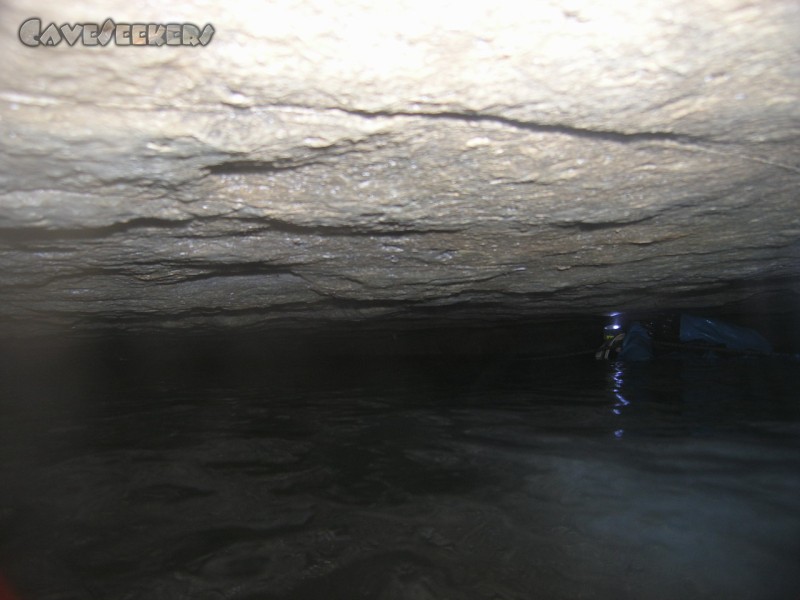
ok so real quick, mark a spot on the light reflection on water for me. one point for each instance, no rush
(617, 379)
(431, 480)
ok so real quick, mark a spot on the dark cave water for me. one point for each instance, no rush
(406, 479)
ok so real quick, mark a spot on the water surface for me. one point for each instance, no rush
(416, 478)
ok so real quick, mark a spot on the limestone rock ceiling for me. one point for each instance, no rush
(347, 160)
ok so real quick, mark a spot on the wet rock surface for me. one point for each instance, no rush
(351, 161)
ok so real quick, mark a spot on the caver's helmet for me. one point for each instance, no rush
(610, 331)
(613, 337)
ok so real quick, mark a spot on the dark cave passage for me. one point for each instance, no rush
(313, 310)
(427, 463)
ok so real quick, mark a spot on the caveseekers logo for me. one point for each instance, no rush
(123, 34)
